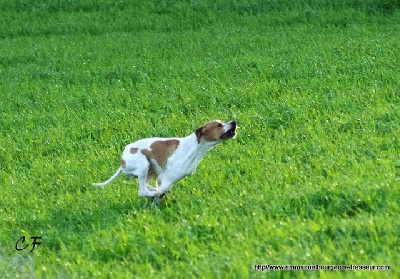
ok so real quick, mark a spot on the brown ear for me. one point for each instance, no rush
(199, 133)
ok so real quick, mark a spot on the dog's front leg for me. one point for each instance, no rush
(163, 188)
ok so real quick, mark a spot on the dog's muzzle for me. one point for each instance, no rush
(231, 133)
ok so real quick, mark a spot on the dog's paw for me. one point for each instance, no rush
(163, 195)
(147, 193)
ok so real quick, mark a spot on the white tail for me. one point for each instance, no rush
(111, 179)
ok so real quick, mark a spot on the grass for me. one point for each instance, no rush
(312, 178)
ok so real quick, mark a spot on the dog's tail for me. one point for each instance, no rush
(111, 179)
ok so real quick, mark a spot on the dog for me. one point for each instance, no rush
(170, 159)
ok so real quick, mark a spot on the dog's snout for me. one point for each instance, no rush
(232, 124)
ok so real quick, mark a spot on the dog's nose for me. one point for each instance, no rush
(233, 123)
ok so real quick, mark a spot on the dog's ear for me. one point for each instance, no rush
(199, 133)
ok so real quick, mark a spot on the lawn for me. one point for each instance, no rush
(313, 177)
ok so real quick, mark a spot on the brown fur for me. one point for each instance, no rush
(133, 150)
(211, 131)
(123, 163)
(151, 173)
(161, 150)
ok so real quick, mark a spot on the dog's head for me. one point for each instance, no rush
(216, 131)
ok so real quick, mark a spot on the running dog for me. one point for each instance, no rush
(170, 159)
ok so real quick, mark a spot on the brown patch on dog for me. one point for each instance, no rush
(211, 131)
(161, 150)
(151, 173)
(199, 133)
(133, 150)
(123, 163)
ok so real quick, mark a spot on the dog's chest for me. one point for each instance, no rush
(184, 160)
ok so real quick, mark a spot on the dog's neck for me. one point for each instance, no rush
(196, 148)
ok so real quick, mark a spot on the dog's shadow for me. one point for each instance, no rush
(65, 225)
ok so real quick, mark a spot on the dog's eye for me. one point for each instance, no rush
(220, 125)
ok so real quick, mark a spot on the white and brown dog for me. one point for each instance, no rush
(170, 159)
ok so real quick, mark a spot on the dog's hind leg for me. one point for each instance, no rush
(145, 190)
(150, 188)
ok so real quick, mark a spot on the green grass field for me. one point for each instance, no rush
(313, 176)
